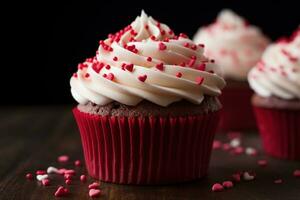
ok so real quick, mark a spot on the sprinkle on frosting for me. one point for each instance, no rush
(278, 72)
(150, 51)
(235, 44)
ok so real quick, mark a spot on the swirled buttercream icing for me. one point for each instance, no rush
(146, 61)
(278, 72)
(233, 43)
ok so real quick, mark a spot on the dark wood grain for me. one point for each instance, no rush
(33, 137)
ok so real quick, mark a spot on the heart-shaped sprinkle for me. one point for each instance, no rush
(129, 67)
(160, 66)
(68, 181)
(248, 177)
(217, 187)
(63, 158)
(162, 46)
(94, 192)
(46, 182)
(142, 78)
(94, 185)
(199, 80)
(227, 184)
(61, 191)
(41, 177)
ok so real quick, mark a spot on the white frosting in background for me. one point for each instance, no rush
(164, 84)
(233, 43)
(278, 73)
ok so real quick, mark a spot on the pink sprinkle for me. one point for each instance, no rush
(45, 182)
(278, 181)
(179, 74)
(199, 80)
(297, 173)
(236, 177)
(68, 181)
(226, 146)
(162, 46)
(68, 176)
(61, 171)
(29, 176)
(262, 163)
(238, 150)
(61, 191)
(94, 192)
(227, 184)
(217, 187)
(63, 158)
(217, 144)
(142, 78)
(70, 171)
(77, 163)
(40, 172)
(94, 185)
(83, 178)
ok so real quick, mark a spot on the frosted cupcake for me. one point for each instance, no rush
(236, 46)
(276, 82)
(148, 107)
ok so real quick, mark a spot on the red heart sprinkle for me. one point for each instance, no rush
(94, 192)
(142, 78)
(46, 182)
(160, 66)
(227, 184)
(162, 46)
(217, 187)
(199, 80)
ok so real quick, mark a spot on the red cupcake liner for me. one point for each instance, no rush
(237, 113)
(280, 132)
(146, 150)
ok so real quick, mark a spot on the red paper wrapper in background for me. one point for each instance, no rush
(146, 150)
(237, 113)
(280, 131)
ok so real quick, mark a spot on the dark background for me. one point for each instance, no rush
(44, 42)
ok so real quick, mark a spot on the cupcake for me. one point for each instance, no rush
(148, 107)
(236, 46)
(276, 82)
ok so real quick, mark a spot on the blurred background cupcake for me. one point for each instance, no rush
(148, 107)
(276, 82)
(236, 47)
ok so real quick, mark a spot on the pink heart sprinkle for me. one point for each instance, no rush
(94, 185)
(297, 173)
(227, 184)
(61, 191)
(217, 187)
(46, 182)
(63, 158)
(94, 192)
(77, 163)
(217, 144)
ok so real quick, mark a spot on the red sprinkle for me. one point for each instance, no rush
(77, 163)
(201, 45)
(183, 35)
(201, 67)
(94, 192)
(182, 64)
(129, 67)
(162, 46)
(199, 80)
(68, 181)
(94, 185)
(236, 177)
(163, 32)
(149, 59)
(83, 178)
(262, 163)
(153, 37)
(29, 176)
(87, 75)
(68, 176)
(142, 78)
(70, 171)
(97, 67)
(278, 181)
(61, 191)
(110, 76)
(179, 74)
(297, 173)
(45, 182)
(40, 172)
(226, 146)
(192, 62)
(75, 75)
(217, 187)
(217, 144)
(64, 158)
(238, 150)
(115, 58)
(104, 75)
(107, 67)
(160, 66)
(186, 44)
(194, 47)
(146, 27)
(227, 184)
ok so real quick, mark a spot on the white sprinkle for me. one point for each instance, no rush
(247, 176)
(251, 151)
(235, 142)
(51, 170)
(41, 177)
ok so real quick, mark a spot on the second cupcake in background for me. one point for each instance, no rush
(276, 82)
(236, 46)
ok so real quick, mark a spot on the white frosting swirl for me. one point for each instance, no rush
(278, 73)
(132, 65)
(233, 43)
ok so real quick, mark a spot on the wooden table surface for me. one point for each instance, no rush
(32, 137)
